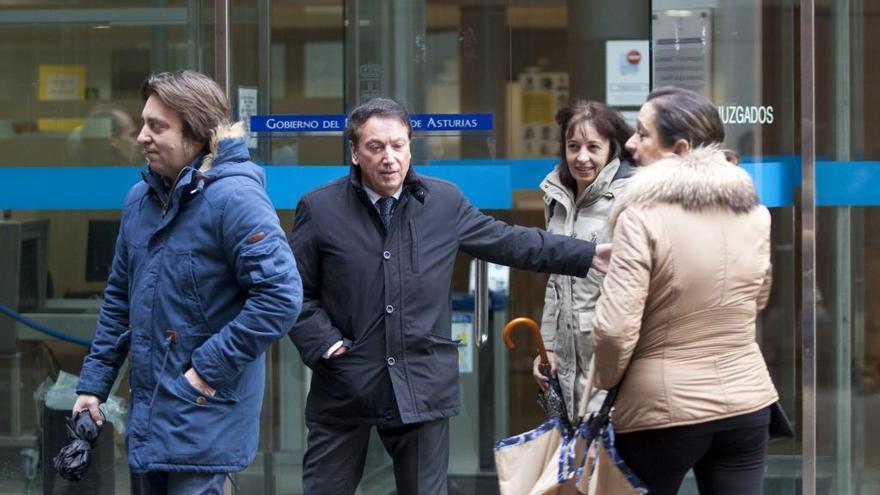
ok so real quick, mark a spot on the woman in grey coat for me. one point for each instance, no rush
(593, 170)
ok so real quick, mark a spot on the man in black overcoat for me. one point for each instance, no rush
(376, 252)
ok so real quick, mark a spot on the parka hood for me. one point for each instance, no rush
(228, 155)
(699, 180)
(225, 156)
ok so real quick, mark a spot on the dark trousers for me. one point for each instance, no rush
(165, 483)
(727, 456)
(335, 457)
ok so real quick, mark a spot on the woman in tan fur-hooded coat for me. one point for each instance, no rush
(675, 325)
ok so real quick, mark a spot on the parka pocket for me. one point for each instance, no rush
(583, 340)
(414, 234)
(349, 381)
(588, 291)
(196, 396)
(263, 262)
(191, 427)
(585, 321)
(443, 340)
(551, 305)
(141, 363)
(180, 286)
(432, 371)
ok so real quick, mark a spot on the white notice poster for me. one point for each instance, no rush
(626, 72)
(683, 49)
(463, 332)
(247, 106)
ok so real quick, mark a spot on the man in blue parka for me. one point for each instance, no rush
(203, 281)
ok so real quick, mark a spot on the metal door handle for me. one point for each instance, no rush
(481, 303)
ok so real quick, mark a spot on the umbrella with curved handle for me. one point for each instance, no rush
(536, 331)
(551, 400)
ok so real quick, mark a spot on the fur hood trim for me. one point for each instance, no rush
(699, 180)
(222, 132)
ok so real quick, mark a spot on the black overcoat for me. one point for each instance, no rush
(387, 295)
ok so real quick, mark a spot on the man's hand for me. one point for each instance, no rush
(602, 258)
(338, 352)
(90, 403)
(192, 376)
(542, 380)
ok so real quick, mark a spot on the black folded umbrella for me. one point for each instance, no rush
(74, 458)
(551, 400)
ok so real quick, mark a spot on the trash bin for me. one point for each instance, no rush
(99, 478)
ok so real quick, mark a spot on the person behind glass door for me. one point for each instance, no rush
(593, 171)
(376, 252)
(202, 282)
(107, 137)
(675, 324)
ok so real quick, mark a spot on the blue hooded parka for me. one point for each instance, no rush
(202, 277)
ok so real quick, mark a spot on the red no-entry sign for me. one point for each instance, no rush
(633, 56)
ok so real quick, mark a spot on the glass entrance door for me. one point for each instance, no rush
(518, 62)
(747, 57)
(741, 56)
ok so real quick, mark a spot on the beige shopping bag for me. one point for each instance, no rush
(548, 461)
(604, 475)
(529, 464)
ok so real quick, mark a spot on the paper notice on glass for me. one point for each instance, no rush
(62, 82)
(247, 106)
(627, 77)
(683, 49)
(463, 331)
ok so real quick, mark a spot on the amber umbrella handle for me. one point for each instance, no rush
(536, 331)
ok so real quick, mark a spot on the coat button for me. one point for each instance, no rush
(386, 255)
(389, 309)
(391, 361)
(200, 400)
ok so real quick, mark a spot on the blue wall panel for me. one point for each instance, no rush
(80, 188)
(487, 183)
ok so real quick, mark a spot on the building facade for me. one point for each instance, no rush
(794, 82)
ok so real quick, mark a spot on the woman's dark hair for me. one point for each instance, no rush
(608, 123)
(684, 114)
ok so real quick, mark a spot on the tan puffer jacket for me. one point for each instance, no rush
(689, 272)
